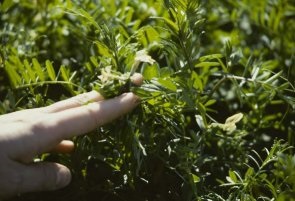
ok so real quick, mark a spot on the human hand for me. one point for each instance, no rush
(25, 134)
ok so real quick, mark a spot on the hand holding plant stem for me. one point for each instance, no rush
(25, 134)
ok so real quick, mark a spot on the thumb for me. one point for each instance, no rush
(44, 176)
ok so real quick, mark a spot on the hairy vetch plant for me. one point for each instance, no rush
(216, 119)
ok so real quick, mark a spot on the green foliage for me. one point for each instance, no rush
(260, 181)
(216, 119)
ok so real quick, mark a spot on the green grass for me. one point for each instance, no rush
(212, 60)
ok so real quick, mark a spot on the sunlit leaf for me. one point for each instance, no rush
(151, 71)
(50, 70)
(167, 83)
(37, 67)
(15, 79)
(207, 64)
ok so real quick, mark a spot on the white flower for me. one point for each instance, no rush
(230, 123)
(142, 56)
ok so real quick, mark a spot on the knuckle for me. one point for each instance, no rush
(37, 126)
(43, 124)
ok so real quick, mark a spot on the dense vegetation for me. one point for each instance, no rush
(217, 118)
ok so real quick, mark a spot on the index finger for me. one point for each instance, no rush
(80, 120)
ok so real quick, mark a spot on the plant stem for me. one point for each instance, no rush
(49, 82)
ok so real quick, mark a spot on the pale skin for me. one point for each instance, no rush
(28, 133)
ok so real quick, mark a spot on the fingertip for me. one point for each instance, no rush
(65, 146)
(64, 177)
(137, 79)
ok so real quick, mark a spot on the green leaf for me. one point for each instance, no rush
(207, 64)
(173, 26)
(31, 72)
(202, 111)
(50, 70)
(273, 78)
(14, 77)
(195, 178)
(270, 64)
(15, 60)
(89, 67)
(93, 60)
(151, 71)
(86, 15)
(103, 49)
(283, 86)
(64, 73)
(6, 4)
(210, 102)
(249, 173)
(37, 67)
(26, 77)
(210, 57)
(167, 83)
(165, 72)
(228, 49)
(19, 67)
(233, 176)
(128, 15)
(197, 82)
(151, 34)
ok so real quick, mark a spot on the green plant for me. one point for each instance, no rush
(261, 180)
(203, 62)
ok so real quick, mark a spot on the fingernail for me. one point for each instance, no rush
(63, 177)
(137, 79)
